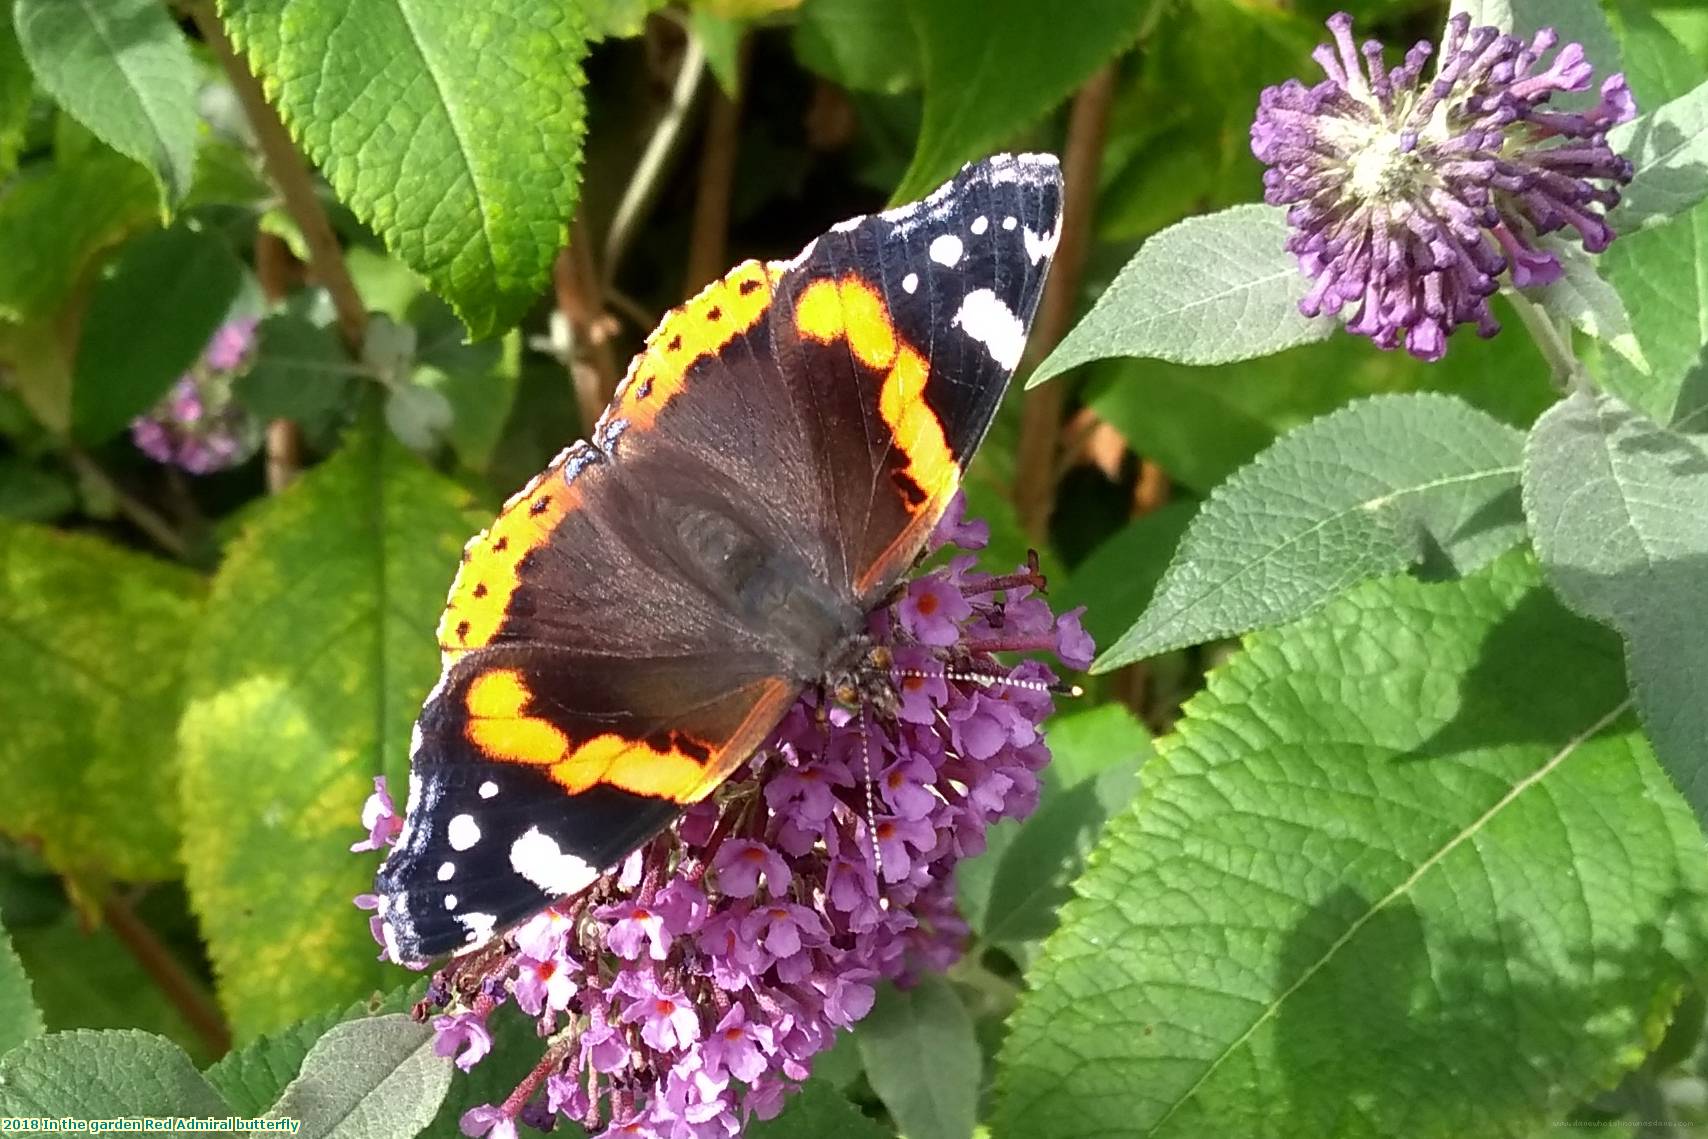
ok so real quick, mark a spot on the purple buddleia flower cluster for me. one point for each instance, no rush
(1410, 195)
(690, 991)
(198, 426)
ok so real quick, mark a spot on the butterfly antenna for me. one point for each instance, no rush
(992, 679)
(871, 800)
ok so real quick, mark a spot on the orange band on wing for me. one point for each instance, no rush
(850, 309)
(702, 327)
(683, 770)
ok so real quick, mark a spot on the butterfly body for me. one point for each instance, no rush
(644, 612)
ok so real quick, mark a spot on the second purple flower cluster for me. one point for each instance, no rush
(1410, 195)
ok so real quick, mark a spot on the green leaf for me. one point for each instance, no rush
(33, 493)
(53, 223)
(985, 76)
(1095, 754)
(864, 45)
(251, 1078)
(1209, 290)
(477, 381)
(306, 675)
(1657, 67)
(119, 1074)
(720, 37)
(1388, 850)
(419, 417)
(922, 1059)
(1486, 13)
(1178, 142)
(1669, 148)
(817, 1111)
(1387, 484)
(454, 130)
(368, 1079)
(1618, 511)
(87, 978)
(122, 69)
(16, 93)
(1582, 297)
(1202, 424)
(617, 18)
(1093, 774)
(1658, 271)
(147, 323)
(20, 1019)
(1690, 412)
(1117, 579)
(92, 642)
(301, 371)
(1576, 21)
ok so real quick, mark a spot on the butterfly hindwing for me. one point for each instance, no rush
(535, 768)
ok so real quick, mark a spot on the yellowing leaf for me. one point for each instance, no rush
(315, 655)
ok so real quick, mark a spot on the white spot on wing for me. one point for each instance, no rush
(412, 808)
(446, 869)
(984, 317)
(980, 224)
(946, 249)
(488, 789)
(1010, 222)
(537, 857)
(463, 832)
(479, 928)
(1040, 247)
(910, 283)
(391, 948)
(450, 901)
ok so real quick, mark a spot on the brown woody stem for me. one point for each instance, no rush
(580, 299)
(169, 975)
(1041, 415)
(709, 244)
(290, 172)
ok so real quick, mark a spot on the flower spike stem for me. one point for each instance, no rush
(1566, 370)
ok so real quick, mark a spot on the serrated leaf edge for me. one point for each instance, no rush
(1122, 652)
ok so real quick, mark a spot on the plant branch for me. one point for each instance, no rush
(708, 246)
(591, 361)
(168, 974)
(643, 185)
(290, 172)
(139, 513)
(1041, 414)
(279, 272)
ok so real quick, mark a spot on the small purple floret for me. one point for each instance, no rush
(1411, 193)
(688, 994)
(198, 426)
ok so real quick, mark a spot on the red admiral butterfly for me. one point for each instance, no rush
(643, 613)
